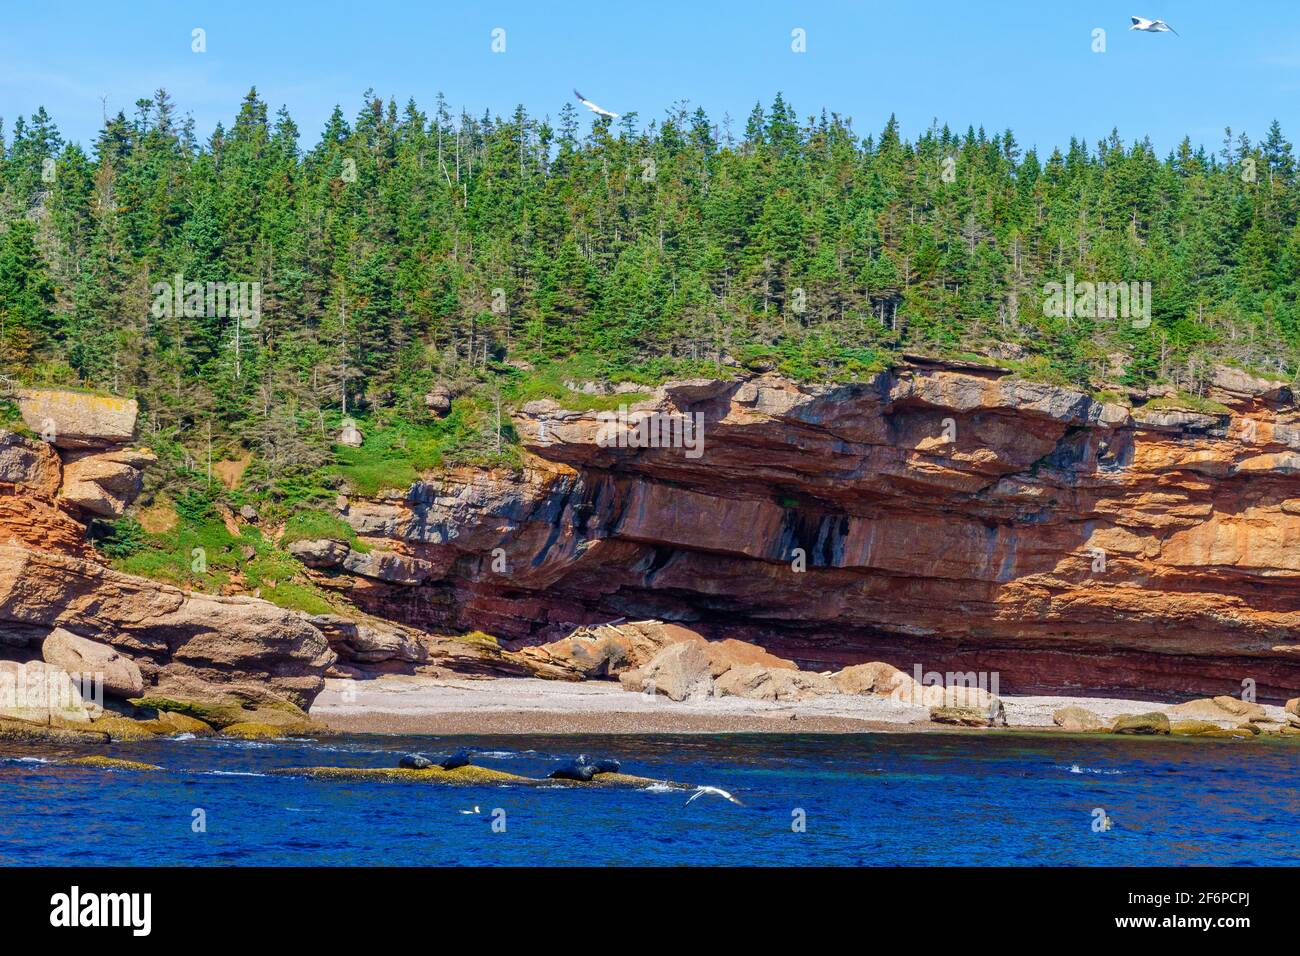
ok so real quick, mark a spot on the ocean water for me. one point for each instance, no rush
(871, 799)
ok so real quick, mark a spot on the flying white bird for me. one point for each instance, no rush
(1152, 26)
(701, 791)
(476, 811)
(593, 107)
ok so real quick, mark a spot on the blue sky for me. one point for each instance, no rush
(1024, 65)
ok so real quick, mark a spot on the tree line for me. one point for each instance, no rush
(407, 248)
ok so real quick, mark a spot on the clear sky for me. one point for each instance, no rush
(1019, 64)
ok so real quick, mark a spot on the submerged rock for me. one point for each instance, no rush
(26, 732)
(113, 763)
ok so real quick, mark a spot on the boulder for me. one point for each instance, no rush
(729, 653)
(877, 678)
(27, 732)
(1293, 706)
(169, 723)
(633, 680)
(960, 696)
(350, 435)
(38, 693)
(220, 713)
(1197, 728)
(759, 682)
(248, 513)
(104, 483)
(1224, 710)
(680, 671)
(188, 644)
(611, 649)
(438, 400)
(76, 419)
(1078, 720)
(79, 655)
(1141, 724)
(32, 464)
(320, 552)
(1241, 708)
(960, 716)
(388, 566)
(123, 728)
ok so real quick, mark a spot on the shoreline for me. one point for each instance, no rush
(521, 706)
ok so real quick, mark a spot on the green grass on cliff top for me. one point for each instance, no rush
(201, 554)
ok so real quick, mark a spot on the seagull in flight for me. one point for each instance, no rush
(701, 791)
(593, 107)
(1152, 26)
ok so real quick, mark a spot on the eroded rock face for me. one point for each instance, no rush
(363, 643)
(320, 552)
(78, 420)
(187, 645)
(959, 520)
(104, 483)
(33, 465)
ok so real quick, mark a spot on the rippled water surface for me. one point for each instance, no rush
(867, 799)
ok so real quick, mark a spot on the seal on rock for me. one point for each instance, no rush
(584, 769)
(415, 762)
(574, 770)
(459, 759)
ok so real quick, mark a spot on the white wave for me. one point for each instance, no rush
(230, 773)
(1075, 768)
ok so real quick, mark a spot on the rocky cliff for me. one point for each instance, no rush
(54, 593)
(951, 517)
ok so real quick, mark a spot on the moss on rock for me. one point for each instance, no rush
(22, 731)
(171, 722)
(1198, 728)
(463, 776)
(122, 728)
(113, 763)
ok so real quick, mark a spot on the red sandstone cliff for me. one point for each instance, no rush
(958, 519)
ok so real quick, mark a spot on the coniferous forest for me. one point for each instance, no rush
(501, 256)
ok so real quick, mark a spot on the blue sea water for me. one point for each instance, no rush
(871, 799)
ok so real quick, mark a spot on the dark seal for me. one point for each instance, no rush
(584, 769)
(574, 770)
(459, 759)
